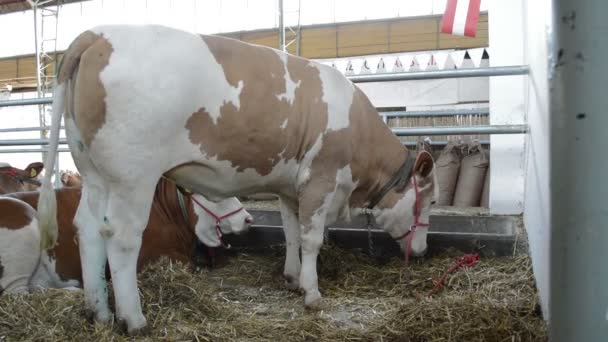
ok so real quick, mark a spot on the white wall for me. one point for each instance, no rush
(507, 107)
(537, 24)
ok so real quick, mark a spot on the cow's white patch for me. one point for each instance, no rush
(304, 173)
(19, 253)
(284, 124)
(173, 83)
(335, 203)
(338, 94)
(47, 275)
(290, 85)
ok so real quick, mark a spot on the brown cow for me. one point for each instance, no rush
(172, 231)
(13, 179)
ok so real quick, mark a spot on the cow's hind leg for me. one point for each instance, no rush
(291, 228)
(124, 223)
(88, 219)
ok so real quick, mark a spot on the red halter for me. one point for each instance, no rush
(410, 233)
(10, 171)
(218, 220)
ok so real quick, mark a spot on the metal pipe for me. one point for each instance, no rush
(282, 46)
(460, 130)
(399, 131)
(27, 102)
(441, 143)
(436, 74)
(25, 129)
(578, 305)
(27, 142)
(439, 112)
(31, 150)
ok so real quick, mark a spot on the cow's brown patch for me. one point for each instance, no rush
(257, 140)
(15, 214)
(90, 54)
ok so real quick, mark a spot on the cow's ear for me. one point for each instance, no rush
(424, 164)
(34, 169)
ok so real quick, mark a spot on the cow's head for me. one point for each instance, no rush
(397, 212)
(13, 179)
(217, 219)
(71, 179)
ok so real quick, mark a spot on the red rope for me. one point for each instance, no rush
(410, 234)
(467, 260)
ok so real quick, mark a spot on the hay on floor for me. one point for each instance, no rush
(246, 301)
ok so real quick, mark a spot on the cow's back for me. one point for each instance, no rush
(230, 106)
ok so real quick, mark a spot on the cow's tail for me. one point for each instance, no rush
(47, 203)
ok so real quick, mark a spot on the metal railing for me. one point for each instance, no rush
(437, 74)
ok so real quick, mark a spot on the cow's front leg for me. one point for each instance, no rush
(291, 228)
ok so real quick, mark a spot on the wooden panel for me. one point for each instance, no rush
(319, 42)
(8, 69)
(362, 39)
(27, 67)
(268, 38)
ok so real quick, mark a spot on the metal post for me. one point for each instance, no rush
(282, 46)
(578, 303)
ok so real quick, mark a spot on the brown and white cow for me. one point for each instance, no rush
(13, 179)
(223, 118)
(173, 230)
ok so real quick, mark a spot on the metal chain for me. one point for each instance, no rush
(370, 241)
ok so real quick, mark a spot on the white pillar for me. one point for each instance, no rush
(507, 94)
(579, 212)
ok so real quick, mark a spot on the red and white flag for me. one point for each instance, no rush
(460, 17)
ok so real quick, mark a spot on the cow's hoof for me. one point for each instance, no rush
(92, 316)
(133, 331)
(143, 331)
(291, 282)
(312, 301)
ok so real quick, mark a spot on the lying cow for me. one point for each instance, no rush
(13, 179)
(172, 231)
(223, 118)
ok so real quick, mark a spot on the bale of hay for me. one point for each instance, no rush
(471, 176)
(447, 167)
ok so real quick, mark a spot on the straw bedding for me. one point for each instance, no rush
(364, 300)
